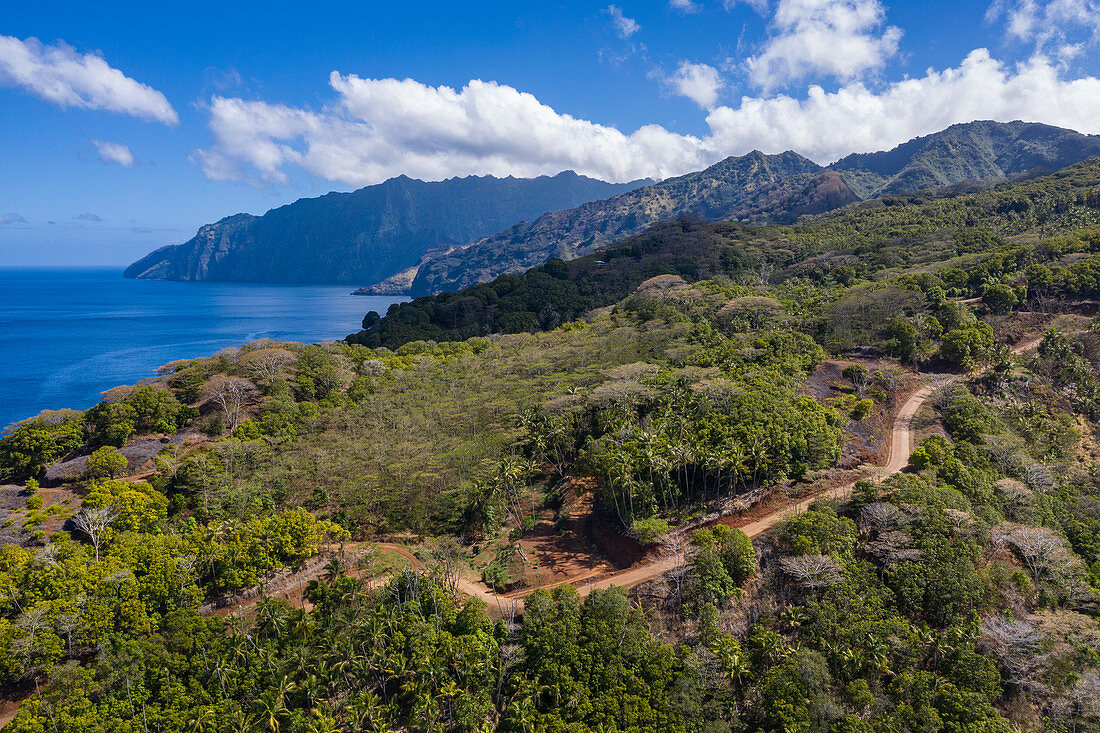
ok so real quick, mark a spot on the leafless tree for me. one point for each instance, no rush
(185, 566)
(229, 394)
(1017, 497)
(267, 365)
(68, 624)
(1004, 454)
(1041, 549)
(1080, 707)
(31, 622)
(1018, 646)
(879, 517)
(676, 550)
(1039, 477)
(959, 517)
(812, 571)
(93, 522)
(445, 556)
(47, 555)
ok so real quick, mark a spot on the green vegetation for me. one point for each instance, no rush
(961, 595)
(878, 271)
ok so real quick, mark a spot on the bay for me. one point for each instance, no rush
(68, 334)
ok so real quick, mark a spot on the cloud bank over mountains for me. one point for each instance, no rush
(772, 97)
(379, 128)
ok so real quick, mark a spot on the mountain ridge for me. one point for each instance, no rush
(409, 249)
(367, 234)
(979, 151)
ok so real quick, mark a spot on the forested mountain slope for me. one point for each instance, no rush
(366, 235)
(226, 546)
(753, 186)
(760, 188)
(973, 151)
(865, 239)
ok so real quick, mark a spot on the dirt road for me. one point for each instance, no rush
(900, 447)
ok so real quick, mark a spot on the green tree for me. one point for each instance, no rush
(105, 461)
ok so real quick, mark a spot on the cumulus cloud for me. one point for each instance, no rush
(685, 6)
(61, 75)
(841, 39)
(698, 82)
(379, 128)
(624, 26)
(854, 118)
(114, 153)
(12, 219)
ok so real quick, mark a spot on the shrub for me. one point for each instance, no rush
(862, 408)
(105, 461)
(647, 531)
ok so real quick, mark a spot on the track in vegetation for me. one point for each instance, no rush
(900, 447)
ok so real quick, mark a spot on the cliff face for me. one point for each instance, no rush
(366, 235)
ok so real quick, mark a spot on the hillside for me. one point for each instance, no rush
(753, 186)
(366, 235)
(758, 188)
(974, 151)
(864, 239)
(834, 476)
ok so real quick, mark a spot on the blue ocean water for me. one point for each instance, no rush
(68, 334)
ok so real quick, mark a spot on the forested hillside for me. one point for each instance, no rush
(865, 241)
(760, 189)
(563, 501)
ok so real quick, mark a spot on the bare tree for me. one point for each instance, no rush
(185, 566)
(1019, 647)
(1041, 549)
(1004, 453)
(812, 571)
(676, 551)
(1080, 707)
(1039, 477)
(445, 555)
(93, 522)
(267, 365)
(229, 394)
(879, 516)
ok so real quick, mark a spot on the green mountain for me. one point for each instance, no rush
(865, 240)
(366, 235)
(973, 151)
(758, 188)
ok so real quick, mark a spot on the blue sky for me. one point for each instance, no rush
(126, 126)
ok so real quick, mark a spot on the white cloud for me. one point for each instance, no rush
(114, 153)
(1049, 24)
(835, 38)
(60, 75)
(698, 82)
(379, 128)
(826, 126)
(624, 26)
(12, 219)
(88, 216)
(685, 6)
(760, 6)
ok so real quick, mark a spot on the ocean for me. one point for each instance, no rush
(68, 334)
